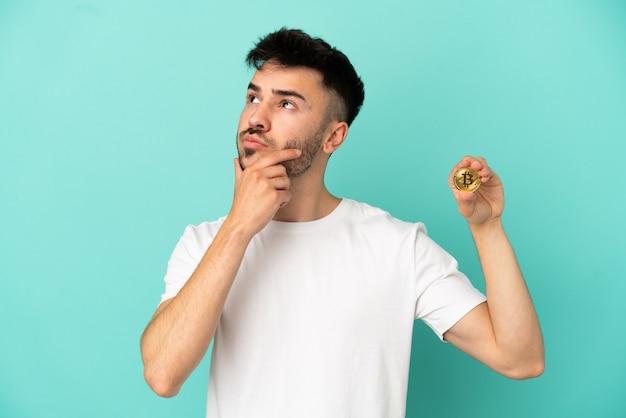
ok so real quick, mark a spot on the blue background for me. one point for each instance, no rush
(117, 127)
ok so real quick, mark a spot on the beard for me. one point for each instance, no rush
(309, 148)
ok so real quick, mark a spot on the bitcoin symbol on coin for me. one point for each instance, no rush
(466, 179)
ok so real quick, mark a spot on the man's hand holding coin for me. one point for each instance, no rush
(477, 190)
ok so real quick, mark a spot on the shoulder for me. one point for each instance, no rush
(371, 219)
(367, 214)
(201, 235)
(205, 228)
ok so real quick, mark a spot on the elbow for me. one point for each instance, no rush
(160, 384)
(528, 370)
(158, 376)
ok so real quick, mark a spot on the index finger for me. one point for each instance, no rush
(477, 163)
(238, 169)
(277, 157)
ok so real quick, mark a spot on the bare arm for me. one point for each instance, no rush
(182, 328)
(504, 332)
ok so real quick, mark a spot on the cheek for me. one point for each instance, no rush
(290, 130)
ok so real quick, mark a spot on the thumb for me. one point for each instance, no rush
(464, 198)
(238, 169)
(466, 202)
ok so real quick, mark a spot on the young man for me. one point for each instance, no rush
(311, 298)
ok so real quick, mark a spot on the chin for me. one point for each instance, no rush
(247, 158)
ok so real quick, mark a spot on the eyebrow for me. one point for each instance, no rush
(278, 92)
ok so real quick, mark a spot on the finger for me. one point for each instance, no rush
(238, 169)
(277, 157)
(470, 159)
(280, 183)
(465, 161)
(477, 163)
(480, 164)
(273, 171)
(285, 198)
(463, 199)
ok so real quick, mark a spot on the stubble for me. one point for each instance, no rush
(309, 147)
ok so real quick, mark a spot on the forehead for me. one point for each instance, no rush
(306, 81)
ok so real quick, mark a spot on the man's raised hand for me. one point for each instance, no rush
(484, 204)
(261, 189)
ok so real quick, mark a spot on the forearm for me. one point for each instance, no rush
(515, 324)
(181, 330)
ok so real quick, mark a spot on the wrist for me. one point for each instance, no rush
(237, 230)
(487, 227)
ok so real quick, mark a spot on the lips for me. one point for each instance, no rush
(252, 142)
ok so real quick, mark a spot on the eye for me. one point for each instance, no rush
(287, 105)
(253, 99)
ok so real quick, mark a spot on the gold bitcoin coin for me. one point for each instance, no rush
(466, 179)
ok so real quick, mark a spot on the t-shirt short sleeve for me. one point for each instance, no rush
(444, 294)
(187, 255)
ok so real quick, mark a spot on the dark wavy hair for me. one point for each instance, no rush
(294, 48)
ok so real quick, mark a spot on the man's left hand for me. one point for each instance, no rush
(487, 202)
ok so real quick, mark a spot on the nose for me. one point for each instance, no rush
(259, 118)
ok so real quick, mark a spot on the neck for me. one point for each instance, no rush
(310, 200)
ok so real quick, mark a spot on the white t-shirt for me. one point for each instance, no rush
(319, 320)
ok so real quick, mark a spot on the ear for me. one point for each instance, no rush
(338, 133)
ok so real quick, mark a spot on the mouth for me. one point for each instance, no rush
(252, 141)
